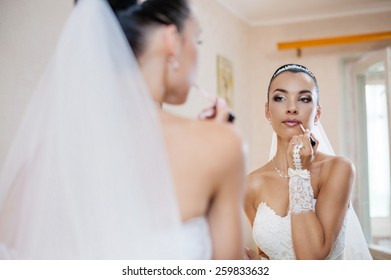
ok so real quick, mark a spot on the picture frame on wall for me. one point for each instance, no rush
(225, 79)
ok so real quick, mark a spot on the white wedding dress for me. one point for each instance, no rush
(198, 242)
(272, 234)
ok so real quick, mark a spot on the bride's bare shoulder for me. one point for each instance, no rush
(217, 145)
(336, 165)
(334, 162)
(257, 178)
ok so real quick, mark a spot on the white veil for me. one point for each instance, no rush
(356, 247)
(87, 175)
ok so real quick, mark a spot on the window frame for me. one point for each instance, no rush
(358, 152)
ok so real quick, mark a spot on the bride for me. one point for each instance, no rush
(299, 202)
(98, 170)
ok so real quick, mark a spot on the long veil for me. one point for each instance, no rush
(87, 176)
(356, 247)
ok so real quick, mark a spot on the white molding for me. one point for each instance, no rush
(318, 17)
(303, 18)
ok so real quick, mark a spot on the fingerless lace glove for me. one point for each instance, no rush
(301, 195)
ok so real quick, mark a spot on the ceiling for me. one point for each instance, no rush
(269, 12)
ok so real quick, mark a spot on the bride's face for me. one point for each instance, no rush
(293, 99)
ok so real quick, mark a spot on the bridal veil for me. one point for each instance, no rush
(87, 176)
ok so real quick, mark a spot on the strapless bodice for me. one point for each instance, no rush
(272, 233)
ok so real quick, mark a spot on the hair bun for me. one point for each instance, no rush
(118, 5)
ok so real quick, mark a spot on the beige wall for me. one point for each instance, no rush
(28, 34)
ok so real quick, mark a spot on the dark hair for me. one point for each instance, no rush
(135, 19)
(293, 68)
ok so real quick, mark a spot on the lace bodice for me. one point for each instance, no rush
(272, 233)
(198, 241)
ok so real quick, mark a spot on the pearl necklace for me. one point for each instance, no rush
(279, 172)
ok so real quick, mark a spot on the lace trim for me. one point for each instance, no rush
(272, 233)
(301, 194)
(296, 156)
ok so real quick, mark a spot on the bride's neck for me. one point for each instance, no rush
(152, 68)
(281, 155)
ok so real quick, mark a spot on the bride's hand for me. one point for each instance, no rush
(307, 152)
(220, 112)
(250, 254)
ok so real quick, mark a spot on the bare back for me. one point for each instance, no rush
(207, 166)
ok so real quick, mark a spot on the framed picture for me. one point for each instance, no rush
(225, 79)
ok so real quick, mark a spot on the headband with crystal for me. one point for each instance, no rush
(293, 67)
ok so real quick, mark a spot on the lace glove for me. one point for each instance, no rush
(301, 195)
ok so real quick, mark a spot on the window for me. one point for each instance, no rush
(378, 152)
(368, 103)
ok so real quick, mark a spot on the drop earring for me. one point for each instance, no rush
(174, 63)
